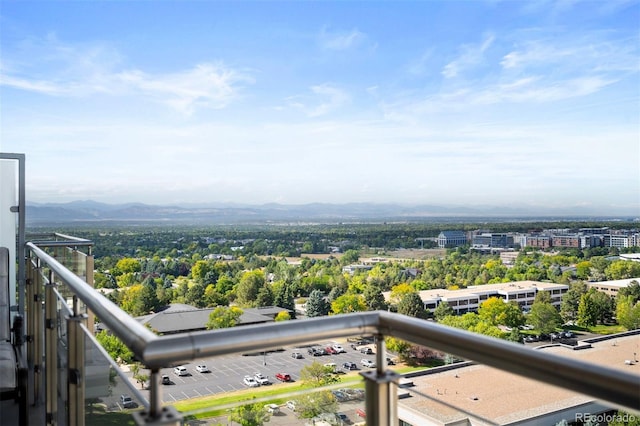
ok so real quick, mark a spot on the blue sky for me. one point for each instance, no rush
(514, 103)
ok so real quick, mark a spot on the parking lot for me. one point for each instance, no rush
(226, 373)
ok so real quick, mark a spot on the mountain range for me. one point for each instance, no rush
(92, 211)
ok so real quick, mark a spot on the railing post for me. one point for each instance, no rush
(157, 414)
(381, 390)
(51, 348)
(35, 330)
(75, 365)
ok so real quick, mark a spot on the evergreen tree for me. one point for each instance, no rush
(571, 300)
(317, 305)
(443, 310)
(374, 299)
(412, 306)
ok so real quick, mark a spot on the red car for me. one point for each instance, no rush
(330, 350)
(283, 377)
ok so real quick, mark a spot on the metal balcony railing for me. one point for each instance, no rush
(61, 317)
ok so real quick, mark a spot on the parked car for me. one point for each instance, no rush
(283, 377)
(263, 380)
(368, 363)
(250, 381)
(272, 408)
(296, 355)
(330, 351)
(127, 401)
(366, 351)
(343, 419)
(201, 368)
(181, 371)
(166, 380)
(340, 396)
(350, 366)
(291, 405)
(390, 361)
(338, 348)
(567, 334)
(316, 351)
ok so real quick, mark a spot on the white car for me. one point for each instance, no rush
(262, 379)
(368, 363)
(272, 408)
(127, 401)
(291, 405)
(181, 371)
(202, 369)
(338, 348)
(251, 382)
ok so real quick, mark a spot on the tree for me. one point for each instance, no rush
(139, 377)
(399, 291)
(316, 375)
(282, 316)
(350, 256)
(224, 317)
(443, 310)
(264, 297)
(542, 297)
(195, 295)
(544, 317)
(213, 298)
(284, 296)
(248, 288)
(492, 310)
(411, 305)
(633, 290)
(571, 300)
(309, 406)
(399, 346)
(374, 299)
(317, 306)
(594, 306)
(149, 298)
(114, 347)
(127, 265)
(587, 311)
(628, 312)
(348, 303)
(249, 415)
(199, 270)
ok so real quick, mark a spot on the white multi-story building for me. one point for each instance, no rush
(469, 299)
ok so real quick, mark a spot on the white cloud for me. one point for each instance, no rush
(340, 40)
(206, 85)
(471, 56)
(326, 99)
(86, 70)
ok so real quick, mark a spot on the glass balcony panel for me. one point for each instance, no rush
(111, 394)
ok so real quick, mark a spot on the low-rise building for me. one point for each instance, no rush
(469, 299)
(612, 288)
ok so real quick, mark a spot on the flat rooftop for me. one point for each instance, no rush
(490, 395)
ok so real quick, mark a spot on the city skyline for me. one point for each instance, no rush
(424, 103)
